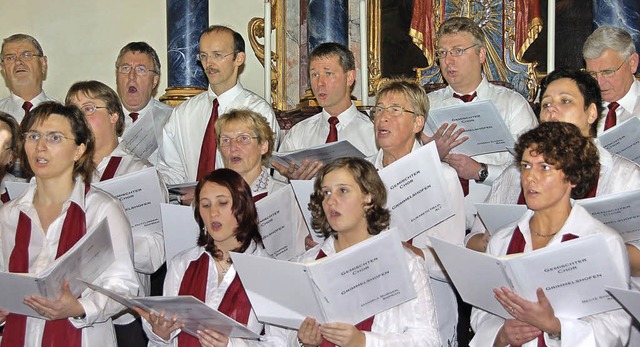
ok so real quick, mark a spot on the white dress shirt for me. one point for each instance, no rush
(13, 104)
(354, 127)
(410, 324)
(517, 115)
(182, 136)
(629, 107)
(603, 329)
(265, 183)
(214, 294)
(97, 328)
(8, 178)
(159, 112)
(451, 230)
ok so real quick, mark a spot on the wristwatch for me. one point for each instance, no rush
(483, 173)
(556, 337)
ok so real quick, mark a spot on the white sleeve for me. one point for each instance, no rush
(170, 164)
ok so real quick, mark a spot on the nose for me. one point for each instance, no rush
(41, 143)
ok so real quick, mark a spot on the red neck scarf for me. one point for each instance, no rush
(516, 245)
(110, 170)
(57, 333)
(365, 325)
(234, 304)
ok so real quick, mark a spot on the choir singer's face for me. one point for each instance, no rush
(396, 127)
(563, 102)
(238, 156)
(215, 207)
(544, 186)
(344, 202)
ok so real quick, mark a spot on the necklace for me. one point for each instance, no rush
(543, 235)
(223, 270)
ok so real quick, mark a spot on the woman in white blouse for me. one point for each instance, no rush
(225, 211)
(55, 211)
(348, 207)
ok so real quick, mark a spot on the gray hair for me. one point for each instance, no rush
(608, 37)
(140, 47)
(23, 37)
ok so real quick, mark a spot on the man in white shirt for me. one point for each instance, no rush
(461, 51)
(611, 58)
(137, 77)
(332, 73)
(222, 53)
(24, 68)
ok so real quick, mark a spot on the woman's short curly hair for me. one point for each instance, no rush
(563, 146)
(366, 175)
(242, 206)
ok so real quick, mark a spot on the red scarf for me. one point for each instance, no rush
(259, 197)
(516, 245)
(365, 325)
(234, 304)
(112, 167)
(58, 332)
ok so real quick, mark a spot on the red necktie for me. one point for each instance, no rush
(610, 121)
(207, 161)
(465, 98)
(134, 116)
(26, 106)
(333, 131)
(112, 167)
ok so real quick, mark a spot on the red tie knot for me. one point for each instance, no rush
(466, 97)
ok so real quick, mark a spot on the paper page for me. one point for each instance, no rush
(416, 195)
(279, 217)
(180, 229)
(324, 153)
(498, 216)
(620, 212)
(141, 195)
(193, 313)
(572, 274)
(629, 299)
(280, 292)
(303, 190)
(365, 279)
(482, 123)
(141, 137)
(623, 140)
(87, 259)
(15, 189)
(474, 275)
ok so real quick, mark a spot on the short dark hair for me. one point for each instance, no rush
(101, 91)
(238, 41)
(366, 175)
(330, 49)
(81, 132)
(587, 85)
(562, 145)
(242, 206)
(140, 47)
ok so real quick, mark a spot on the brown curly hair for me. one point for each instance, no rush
(243, 208)
(563, 146)
(366, 175)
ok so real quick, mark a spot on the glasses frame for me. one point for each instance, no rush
(95, 108)
(217, 56)
(375, 113)
(143, 73)
(236, 139)
(24, 56)
(441, 54)
(606, 73)
(48, 137)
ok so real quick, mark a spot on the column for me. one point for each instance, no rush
(327, 21)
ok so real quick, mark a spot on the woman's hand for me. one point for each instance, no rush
(3, 316)
(516, 333)
(211, 338)
(342, 334)
(67, 305)
(160, 325)
(539, 314)
(309, 332)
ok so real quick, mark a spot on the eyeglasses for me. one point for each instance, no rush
(216, 56)
(24, 56)
(454, 52)
(90, 109)
(240, 139)
(140, 70)
(394, 111)
(605, 73)
(51, 138)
